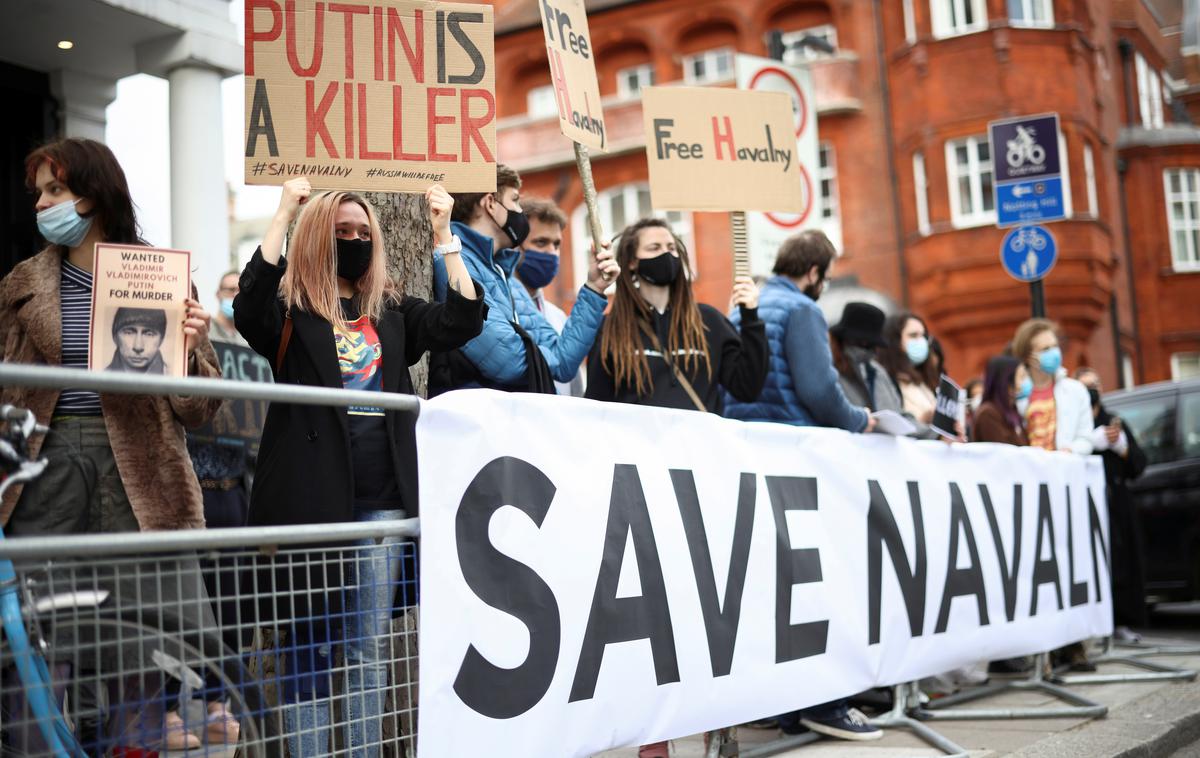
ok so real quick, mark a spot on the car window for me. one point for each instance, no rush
(1189, 423)
(1152, 421)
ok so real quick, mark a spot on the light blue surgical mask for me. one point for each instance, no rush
(227, 308)
(1050, 360)
(918, 350)
(62, 225)
(1025, 389)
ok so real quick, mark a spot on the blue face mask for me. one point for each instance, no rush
(918, 350)
(62, 225)
(1025, 388)
(227, 308)
(538, 269)
(1050, 360)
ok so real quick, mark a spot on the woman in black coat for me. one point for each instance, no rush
(330, 316)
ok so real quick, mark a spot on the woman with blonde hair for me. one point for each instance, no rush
(329, 315)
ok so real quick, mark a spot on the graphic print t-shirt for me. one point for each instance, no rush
(360, 359)
(1041, 418)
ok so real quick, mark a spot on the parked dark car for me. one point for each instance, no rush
(1165, 418)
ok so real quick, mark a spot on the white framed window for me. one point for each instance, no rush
(1036, 14)
(969, 177)
(708, 66)
(831, 215)
(632, 79)
(910, 22)
(1089, 178)
(619, 207)
(1185, 366)
(921, 188)
(1065, 167)
(1150, 93)
(1127, 372)
(540, 102)
(1182, 187)
(954, 17)
(795, 51)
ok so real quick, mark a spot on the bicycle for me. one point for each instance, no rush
(97, 631)
(1023, 148)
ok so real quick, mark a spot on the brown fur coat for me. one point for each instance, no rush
(146, 432)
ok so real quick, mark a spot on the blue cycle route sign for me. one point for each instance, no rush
(1028, 253)
(1026, 170)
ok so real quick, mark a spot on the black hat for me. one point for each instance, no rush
(862, 323)
(154, 318)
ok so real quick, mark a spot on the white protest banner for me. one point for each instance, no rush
(573, 71)
(390, 95)
(596, 575)
(715, 149)
(767, 231)
(138, 309)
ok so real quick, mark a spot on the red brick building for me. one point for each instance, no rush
(903, 104)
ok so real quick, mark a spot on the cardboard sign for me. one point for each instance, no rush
(573, 72)
(712, 149)
(390, 96)
(138, 309)
(239, 423)
(949, 408)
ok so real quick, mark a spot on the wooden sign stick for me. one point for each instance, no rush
(584, 164)
(741, 246)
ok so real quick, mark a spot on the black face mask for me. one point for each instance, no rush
(661, 269)
(353, 258)
(516, 226)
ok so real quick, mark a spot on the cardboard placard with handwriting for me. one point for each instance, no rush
(573, 72)
(715, 149)
(138, 310)
(387, 96)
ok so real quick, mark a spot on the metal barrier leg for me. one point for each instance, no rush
(781, 745)
(1143, 649)
(905, 698)
(1154, 672)
(721, 743)
(1080, 707)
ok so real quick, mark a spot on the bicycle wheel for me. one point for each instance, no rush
(115, 682)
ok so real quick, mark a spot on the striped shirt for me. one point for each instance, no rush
(75, 290)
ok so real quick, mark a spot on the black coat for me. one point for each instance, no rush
(305, 474)
(1125, 529)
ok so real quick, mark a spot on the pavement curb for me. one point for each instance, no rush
(1156, 724)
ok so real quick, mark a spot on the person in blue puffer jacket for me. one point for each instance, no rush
(518, 349)
(803, 389)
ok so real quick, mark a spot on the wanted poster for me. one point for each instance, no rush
(138, 310)
(385, 96)
(949, 407)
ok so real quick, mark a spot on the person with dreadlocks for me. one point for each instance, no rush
(658, 346)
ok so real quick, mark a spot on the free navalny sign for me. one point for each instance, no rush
(712, 149)
(387, 95)
(598, 574)
(573, 72)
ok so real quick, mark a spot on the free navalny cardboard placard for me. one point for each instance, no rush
(713, 149)
(573, 72)
(389, 96)
(138, 309)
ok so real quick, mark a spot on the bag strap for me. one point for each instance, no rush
(284, 339)
(687, 386)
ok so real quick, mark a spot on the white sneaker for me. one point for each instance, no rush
(852, 726)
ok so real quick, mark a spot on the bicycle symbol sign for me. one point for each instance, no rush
(1024, 149)
(1028, 253)
(1028, 185)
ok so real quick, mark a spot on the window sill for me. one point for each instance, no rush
(1184, 268)
(972, 222)
(953, 33)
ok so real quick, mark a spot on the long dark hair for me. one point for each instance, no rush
(845, 366)
(895, 359)
(91, 171)
(998, 387)
(621, 353)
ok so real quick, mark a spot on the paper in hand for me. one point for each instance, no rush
(893, 423)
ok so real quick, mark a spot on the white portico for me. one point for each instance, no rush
(85, 46)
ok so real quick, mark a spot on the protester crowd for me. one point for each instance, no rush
(327, 314)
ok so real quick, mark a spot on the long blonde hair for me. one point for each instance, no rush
(310, 283)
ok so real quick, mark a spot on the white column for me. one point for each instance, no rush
(199, 205)
(83, 100)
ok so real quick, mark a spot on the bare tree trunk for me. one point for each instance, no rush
(404, 220)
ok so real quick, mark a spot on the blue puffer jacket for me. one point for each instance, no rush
(802, 385)
(498, 352)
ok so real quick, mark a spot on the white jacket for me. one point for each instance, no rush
(1074, 423)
